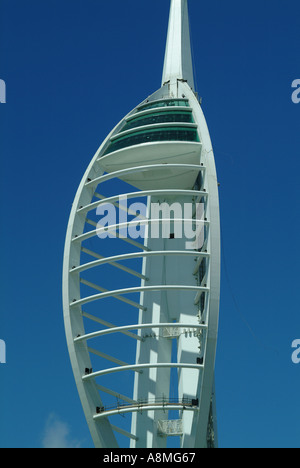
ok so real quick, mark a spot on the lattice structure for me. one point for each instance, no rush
(169, 428)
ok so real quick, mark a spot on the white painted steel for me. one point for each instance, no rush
(141, 409)
(175, 305)
(137, 367)
(116, 258)
(140, 327)
(178, 57)
(144, 193)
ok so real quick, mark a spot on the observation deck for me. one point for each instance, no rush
(157, 132)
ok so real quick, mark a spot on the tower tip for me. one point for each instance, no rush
(178, 64)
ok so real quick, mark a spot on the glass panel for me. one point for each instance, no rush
(166, 134)
(165, 103)
(156, 118)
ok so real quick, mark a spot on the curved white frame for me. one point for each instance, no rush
(101, 429)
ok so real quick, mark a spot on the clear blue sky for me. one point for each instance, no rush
(73, 69)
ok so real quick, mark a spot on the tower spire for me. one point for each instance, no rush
(178, 63)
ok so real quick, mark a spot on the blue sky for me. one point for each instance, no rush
(73, 69)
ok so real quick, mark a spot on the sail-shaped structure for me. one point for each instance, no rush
(141, 286)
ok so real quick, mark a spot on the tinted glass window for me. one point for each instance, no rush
(166, 134)
(167, 103)
(156, 118)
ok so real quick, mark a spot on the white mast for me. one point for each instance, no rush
(178, 63)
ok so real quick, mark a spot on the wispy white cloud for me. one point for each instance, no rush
(57, 434)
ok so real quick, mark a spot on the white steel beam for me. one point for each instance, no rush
(140, 194)
(138, 367)
(118, 292)
(150, 167)
(145, 408)
(118, 395)
(139, 326)
(103, 260)
(116, 296)
(123, 432)
(110, 325)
